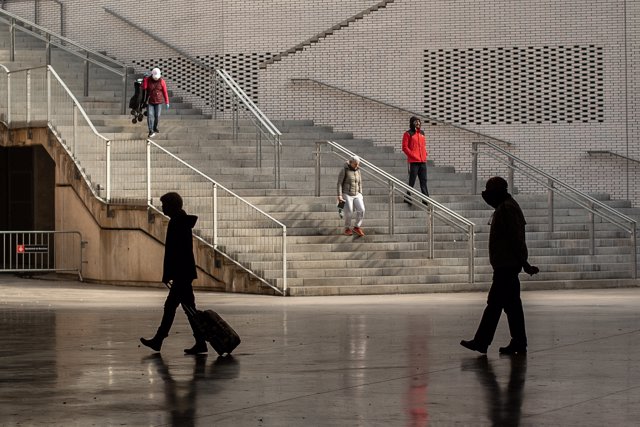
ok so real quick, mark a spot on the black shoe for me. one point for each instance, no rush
(513, 349)
(156, 131)
(154, 343)
(472, 345)
(199, 347)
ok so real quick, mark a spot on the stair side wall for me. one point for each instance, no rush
(124, 244)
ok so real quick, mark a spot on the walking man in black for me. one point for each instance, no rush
(179, 269)
(508, 256)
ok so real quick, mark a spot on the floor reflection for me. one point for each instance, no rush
(181, 395)
(418, 369)
(504, 406)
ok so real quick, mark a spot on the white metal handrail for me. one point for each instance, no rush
(92, 153)
(397, 187)
(262, 123)
(555, 186)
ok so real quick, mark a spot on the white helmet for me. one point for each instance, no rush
(155, 73)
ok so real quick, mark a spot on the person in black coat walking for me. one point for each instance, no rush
(179, 270)
(508, 256)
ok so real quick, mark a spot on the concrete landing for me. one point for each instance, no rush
(70, 356)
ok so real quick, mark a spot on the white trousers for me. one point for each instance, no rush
(351, 202)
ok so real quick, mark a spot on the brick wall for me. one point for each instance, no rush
(527, 50)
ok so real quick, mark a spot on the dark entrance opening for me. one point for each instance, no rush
(27, 189)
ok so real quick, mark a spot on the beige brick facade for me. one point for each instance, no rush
(554, 78)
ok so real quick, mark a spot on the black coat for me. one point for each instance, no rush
(507, 245)
(179, 264)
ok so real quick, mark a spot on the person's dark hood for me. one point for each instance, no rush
(495, 198)
(184, 220)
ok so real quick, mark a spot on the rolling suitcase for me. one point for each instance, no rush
(215, 330)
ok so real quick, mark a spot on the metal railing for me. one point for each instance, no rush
(395, 107)
(264, 127)
(554, 186)
(221, 83)
(36, 11)
(52, 40)
(593, 206)
(41, 251)
(397, 188)
(141, 170)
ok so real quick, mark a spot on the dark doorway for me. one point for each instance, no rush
(27, 189)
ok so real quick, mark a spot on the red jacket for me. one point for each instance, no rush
(157, 90)
(414, 145)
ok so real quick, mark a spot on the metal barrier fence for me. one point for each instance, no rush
(41, 251)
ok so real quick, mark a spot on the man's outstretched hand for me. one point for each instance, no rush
(530, 269)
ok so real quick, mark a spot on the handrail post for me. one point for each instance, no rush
(48, 95)
(86, 74)
(215, 215)
(125, 83)
(392, 208)
(318, 154)
(592, 230)
(634, 251)
(9, 99)
(108, 171)
(214, 95)
(28, 106)
(75, 130)
(474, 168)
(278, 148)
(48, 48)
(430, 230)
(510, 174)
(258, 149)
(148, 173)
(12, 40)
(472, 263)
(235, 120)
(284, 260)
(550, 207)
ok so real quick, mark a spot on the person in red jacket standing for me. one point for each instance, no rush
(414, 145)
(157, 94)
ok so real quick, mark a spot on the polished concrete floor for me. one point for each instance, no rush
(70, 356)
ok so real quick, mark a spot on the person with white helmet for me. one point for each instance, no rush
(350, 192)
(157, 94)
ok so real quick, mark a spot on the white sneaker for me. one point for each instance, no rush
(152, 134)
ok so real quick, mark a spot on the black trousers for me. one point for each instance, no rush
(503, 295)
(180, 293)
(418, 170)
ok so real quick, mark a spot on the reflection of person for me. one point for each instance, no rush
(507, 255)
(504, 407)
(180, 398)
(157, 94)
(180, 268)
(414, 145)
(350, 192)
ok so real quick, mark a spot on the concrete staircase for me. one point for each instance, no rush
(322, 261)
